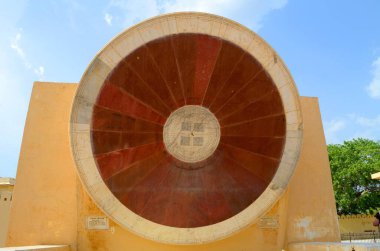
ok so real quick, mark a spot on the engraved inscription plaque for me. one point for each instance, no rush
(269, 222)
(97, 223)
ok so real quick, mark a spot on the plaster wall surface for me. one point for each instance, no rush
(117, 238)
(6, 189)
(44, 203)
(50, 206)
(356, 224)
(312, 211)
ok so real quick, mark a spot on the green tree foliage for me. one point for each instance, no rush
(352, 164)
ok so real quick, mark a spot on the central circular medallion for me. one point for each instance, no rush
(191, 133)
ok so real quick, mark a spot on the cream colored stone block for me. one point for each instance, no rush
(91, 179)
(259, 50)
(288, 158)
(186, 24)
(121, 213)
(292, 146)
(163, 234)
(239, 36)
(151, 31)
(278, 72)
(81, 112)
(215, 27)
(135, 222)
(81, 145)
(168, 26)
(293, 117)
(289, 98)
(294, 127)
(222, 28)
(77, 127)
(248, 216)
(90, 87)
(205, 25)
(97, 186)
(141, 224)
(127, 42)
(110, 202)
(165, 28)
(117, 209)
(110, 57)
(294, 134)
(99, 68)
(220, 230)
(292, 143)
(198, 235)
(283, 174)
(172, 25)
(106, 200)
(205, 234)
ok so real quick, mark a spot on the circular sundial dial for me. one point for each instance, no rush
(191, 133)
(186, 128)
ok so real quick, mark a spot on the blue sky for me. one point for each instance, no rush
(332, 49)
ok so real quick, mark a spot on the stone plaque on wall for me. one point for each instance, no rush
(270, 222)
(97, 223)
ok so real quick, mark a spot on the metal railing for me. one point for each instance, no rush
(365, 237)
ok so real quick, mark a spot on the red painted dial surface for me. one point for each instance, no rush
(155, 80)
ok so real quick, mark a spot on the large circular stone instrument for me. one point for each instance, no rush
(186, 128)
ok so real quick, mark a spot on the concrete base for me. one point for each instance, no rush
(38, 248)
(333, 246)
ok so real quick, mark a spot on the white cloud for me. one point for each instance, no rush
(352, 126)
(248, 12)
(40, 72)
(218, 6)
(133, 11)
(368, 122)
(16, 46)
(108, 18)
(366, 127)
(333, 128)
(373, 88)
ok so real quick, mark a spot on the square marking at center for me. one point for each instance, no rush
(198, 141)
(185, 141)
(186, 126)
(198, 127)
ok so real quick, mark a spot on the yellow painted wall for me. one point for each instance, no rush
(6, 189)
(312, 211)
(50, 205)
(356, 223)
(44, 205)
(117, 238)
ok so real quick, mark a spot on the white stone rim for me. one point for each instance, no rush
(110, 56)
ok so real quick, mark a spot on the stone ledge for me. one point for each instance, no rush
(38, 248)
(333, 246)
